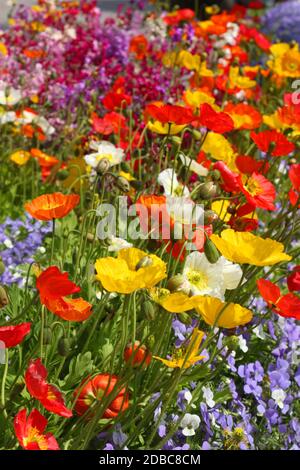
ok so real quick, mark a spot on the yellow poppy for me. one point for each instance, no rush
(220, 208)
(285, 60)
(244, 247)
(198, 97)
(133, 269)
(225, 315)
(176, 302)
(20, 157)
(220, 149)
(76, 169)
(165, 128)
(3, 49)
(185, 359)
(239, 81)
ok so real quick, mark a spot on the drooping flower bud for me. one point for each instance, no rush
(178, 283)
(123, 184)
(207, 190)
(211, 251)
(3, 297)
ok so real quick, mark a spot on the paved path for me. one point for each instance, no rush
(108, 6)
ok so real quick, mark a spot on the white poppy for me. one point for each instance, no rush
(117, 244)
(106, 150)
(10, 96)
(193, 166)
(206, 278)
(189, 424)
(171, 185)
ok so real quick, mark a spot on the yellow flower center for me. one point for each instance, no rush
(108, 156)
(35, 436)
(198, 279)
(253, 187)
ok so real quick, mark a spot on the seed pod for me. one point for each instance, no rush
(3, 297)
(144, 263)
(64, 346)
(123, 184)
(47, 336)
(178, 283)
(103, 166)
(211, 251)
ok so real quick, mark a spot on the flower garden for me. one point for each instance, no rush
(176, 325)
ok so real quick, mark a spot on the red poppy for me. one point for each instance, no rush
(258, 191)
(185, 14)
(11, 336)
(215, 121)
(52, 206)
(168, 113)
(38, 387)
(33, 131)
(139, 46)
(137, 354)
(113, 101)
(274, 142)
(294, 175)
(30, 431)
(111, 123)
(248, 165)
(102, 385)
(229, 180)
(247, 116)
(284, 305)
(293, 280)
(54, 286)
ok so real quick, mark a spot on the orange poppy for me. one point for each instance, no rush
(244, 116)
(53, 287)
(139, 46)
(52, 206)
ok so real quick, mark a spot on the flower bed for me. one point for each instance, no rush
(149, 230)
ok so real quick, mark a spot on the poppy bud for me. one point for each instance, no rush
(145, 262)
(103, 166)
(90, 237)
(176, 140)
(149, 309)
(123, 184)
(64, 346)
(3, 298)
(211, 251)
(62, 175)
(47, 336)
(197, 135)
(125, 167)
(207, 190)
(178, 283)
(2, 266)
(137, 355)
(210, 217)
(215, 175)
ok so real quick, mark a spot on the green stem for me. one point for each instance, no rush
(4, 382)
